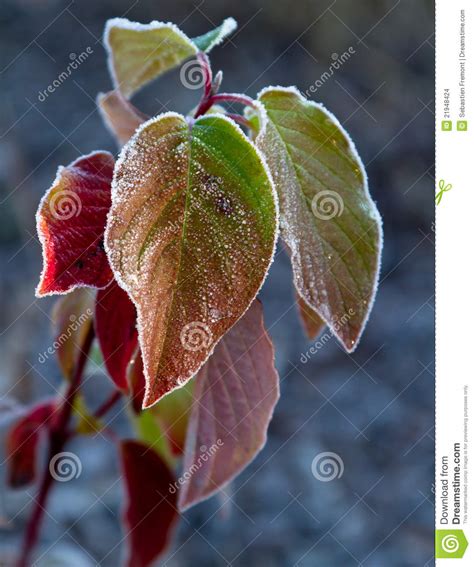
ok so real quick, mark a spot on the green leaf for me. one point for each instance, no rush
(214, 37)
(139, 53)
(172, 413)
(148, 431)
(328, 219)
(87, 423)
(190, 237)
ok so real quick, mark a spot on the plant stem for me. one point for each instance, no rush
(108, 404)
(205, 103)
(58, 436)
(241, 120)
(231, 97)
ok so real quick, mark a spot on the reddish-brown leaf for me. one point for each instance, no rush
(71, 221)
(312, 322)
(72, 317)
(190, 236)
(115, 325)
(119, 115)
(151, 512)
(235, 394)
(22, 442)
(136, 381)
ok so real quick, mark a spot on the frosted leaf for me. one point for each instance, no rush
(139, 53)
(210, 39)
(235, 395)
(70, 222)
(177, 244)
(328, 219)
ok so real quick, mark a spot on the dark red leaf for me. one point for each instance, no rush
(22, 442)
(136, 381)
(115, 325)
(71, 221)
(151, 511)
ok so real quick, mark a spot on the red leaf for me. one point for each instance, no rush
(71, 221)
(136, 381)
(115, 325)
(22, 442)
(151, 508)
(236, 392)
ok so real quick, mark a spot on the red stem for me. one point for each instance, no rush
(108, 404)
(241, 120)
(205, 103)
(230, 97)
(58, 436)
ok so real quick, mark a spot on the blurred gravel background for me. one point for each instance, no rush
(373, 408)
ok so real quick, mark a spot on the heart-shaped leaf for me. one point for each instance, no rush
(328, 219)
(190, 237)
(139, 53)
(150, 514)
(22, 442)
(115, 326)
(120, 117)
(235, 394)
(71, 221)
(72, 317)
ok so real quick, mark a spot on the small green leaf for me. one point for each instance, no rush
(139, 53)
(212, 38)
(87, 423)
(190, 236)
(328, 219)
(149, 432)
